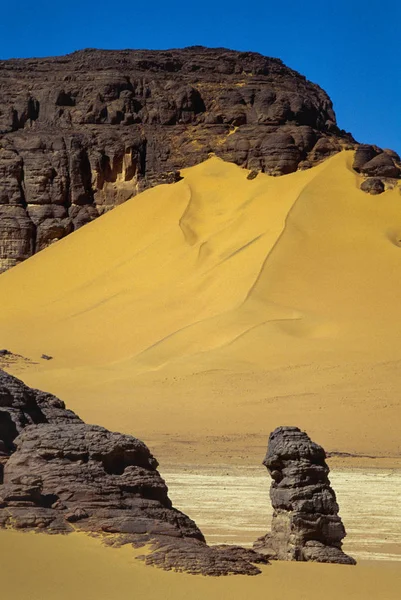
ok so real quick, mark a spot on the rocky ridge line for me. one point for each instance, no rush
(82, 133)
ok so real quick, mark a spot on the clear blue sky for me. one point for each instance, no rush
(351, 48)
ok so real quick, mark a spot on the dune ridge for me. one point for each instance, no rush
(220, 307)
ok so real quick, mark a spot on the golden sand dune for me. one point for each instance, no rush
(219, 307)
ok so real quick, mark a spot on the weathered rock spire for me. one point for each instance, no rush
(306, 525)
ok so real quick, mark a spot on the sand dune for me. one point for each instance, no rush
(219, 307)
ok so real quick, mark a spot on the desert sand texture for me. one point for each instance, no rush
(198, 316)
(76, 566)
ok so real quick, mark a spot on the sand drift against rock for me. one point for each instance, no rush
(83, 133)
(59, 475)
(305, 524)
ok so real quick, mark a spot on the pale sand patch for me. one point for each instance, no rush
(43, 567)
(231, 505)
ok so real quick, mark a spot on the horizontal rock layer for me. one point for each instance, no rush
(58, 474)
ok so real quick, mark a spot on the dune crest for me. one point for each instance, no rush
(222, 304)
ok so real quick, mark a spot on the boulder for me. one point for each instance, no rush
(374, 162)
(373, 185)
(382, 165)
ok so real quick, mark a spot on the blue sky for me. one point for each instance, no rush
(351, 48)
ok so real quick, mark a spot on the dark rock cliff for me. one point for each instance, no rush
(82, 133)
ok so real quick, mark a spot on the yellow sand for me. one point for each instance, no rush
(41, 567)
(200, 315)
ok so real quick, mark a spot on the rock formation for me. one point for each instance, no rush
(373, 185)
(58, 474)
(382, 167)
(82, 133)
(305, 524)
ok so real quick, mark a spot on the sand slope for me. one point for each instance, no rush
(42, 567)
(219, 307)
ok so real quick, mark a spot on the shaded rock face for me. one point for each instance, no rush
(58, 474)
(373, 185)
(82, 133)
(381, 167)
(305, 524)
(372, 161)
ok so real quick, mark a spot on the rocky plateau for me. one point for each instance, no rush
(82, 133)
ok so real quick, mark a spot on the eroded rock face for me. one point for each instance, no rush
(58, 474)
(381, 167)
(373, 185)
(82, 133)
(305, 524)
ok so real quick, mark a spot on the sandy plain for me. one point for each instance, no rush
(199, 316)
(41, 567)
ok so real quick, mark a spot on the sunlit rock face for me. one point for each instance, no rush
(306, 525)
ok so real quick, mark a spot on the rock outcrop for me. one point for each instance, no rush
(381, 167)
(58, 474)
(82, 133)
(305, 524)
(79, 134)
(373, 185)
